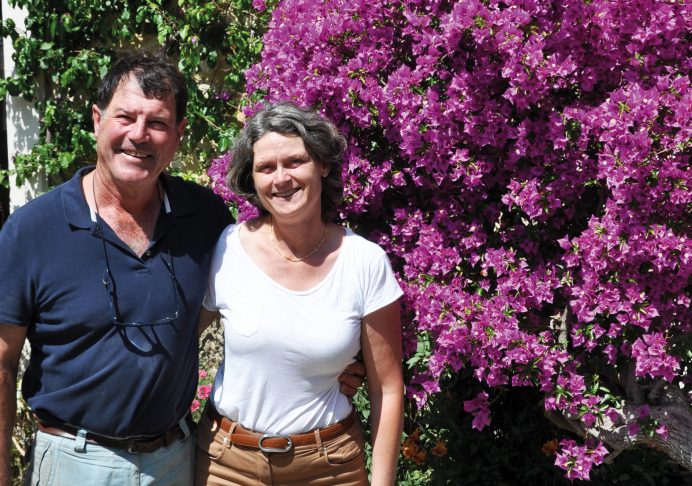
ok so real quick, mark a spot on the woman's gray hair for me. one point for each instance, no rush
(322, 140)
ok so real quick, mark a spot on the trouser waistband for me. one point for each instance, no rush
(275, 442)
(134, 445)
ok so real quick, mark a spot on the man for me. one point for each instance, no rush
(105, 276)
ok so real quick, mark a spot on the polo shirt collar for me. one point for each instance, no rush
(74, 203)
(78, 214)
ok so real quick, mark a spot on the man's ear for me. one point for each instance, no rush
(180, 129)
(96, 117)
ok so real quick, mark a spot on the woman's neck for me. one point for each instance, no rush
(297, 241)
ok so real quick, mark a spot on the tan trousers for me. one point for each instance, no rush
(337, 462)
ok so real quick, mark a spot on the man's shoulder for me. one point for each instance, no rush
(188, 197)
(40, 210)
(193, 190)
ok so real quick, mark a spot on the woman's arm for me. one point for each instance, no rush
(381, 341)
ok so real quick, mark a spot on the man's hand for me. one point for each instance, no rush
(351, 378)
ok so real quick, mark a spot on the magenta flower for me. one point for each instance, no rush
(651, 358)
(577, 460)
(478, 407)
(526, 167)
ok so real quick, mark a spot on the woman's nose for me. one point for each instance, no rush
(282, 174)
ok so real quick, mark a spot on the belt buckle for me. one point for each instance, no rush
(264, 437)
(132, 447)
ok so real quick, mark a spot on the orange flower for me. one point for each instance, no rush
(410, 448)
(440, 449)
(415, 435)
(420, 457)
(550, 447)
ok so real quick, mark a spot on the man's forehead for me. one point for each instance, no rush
(130, 95)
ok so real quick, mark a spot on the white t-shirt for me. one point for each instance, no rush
(284, 350)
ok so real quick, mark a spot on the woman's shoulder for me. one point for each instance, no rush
(361, 245)
(230, 230)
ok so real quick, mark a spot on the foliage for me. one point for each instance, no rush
(22, 436)
(211, 350)
(526, 165)
(69, 45)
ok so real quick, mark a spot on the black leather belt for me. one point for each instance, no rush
(134, 445)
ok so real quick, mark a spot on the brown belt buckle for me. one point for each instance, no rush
(263, 437)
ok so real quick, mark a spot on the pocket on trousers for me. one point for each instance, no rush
(41, 463)
(345, 448)
(209, 442)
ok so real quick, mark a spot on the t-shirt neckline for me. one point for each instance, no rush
(314, 288)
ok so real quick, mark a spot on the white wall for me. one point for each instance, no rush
(21, 118)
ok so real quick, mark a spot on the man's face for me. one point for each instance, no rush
(136, 136)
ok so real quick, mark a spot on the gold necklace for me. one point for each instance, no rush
(272, 237)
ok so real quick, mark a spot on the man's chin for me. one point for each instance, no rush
(136, 176)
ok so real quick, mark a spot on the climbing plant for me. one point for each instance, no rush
(66, 46)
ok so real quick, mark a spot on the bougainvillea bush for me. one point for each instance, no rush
(526, 165)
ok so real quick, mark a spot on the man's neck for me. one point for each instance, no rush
(131, 215)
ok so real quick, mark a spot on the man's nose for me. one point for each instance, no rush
(138, 131)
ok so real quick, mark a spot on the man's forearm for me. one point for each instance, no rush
(8, 410)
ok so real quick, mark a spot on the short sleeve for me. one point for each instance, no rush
(208, 302)
(220, 252)
(383, 288)
(15, 287)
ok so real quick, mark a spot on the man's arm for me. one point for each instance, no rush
(11, 342)
(206, 317)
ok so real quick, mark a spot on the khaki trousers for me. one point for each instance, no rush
(337, 462)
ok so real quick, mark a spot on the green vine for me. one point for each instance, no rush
(68, 45)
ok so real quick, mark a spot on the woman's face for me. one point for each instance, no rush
(288, 182)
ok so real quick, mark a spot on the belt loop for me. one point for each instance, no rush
(318, 440)
(227, 441)
(209, 413)
(80, 441)
(184, 427)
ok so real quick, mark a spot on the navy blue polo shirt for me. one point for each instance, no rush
(84, 370)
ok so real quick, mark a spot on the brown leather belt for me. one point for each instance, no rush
(273, 442)
(133, 445)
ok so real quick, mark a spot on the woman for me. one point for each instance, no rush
(299, 297)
